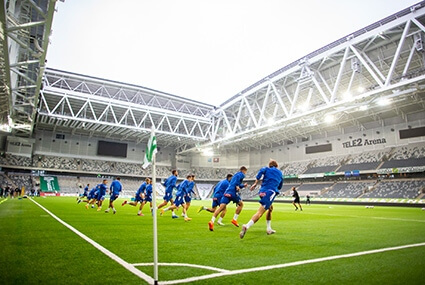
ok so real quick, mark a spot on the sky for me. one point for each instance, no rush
(202, 50)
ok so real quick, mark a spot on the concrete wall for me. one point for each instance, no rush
(46, 143)
(378, 138)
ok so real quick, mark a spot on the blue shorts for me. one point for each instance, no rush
(227, 198)
(100, 196)
(179, 201)
(187, 199)
(89, 197)
(267, 198)
(147, 199)
(113, 197)
(168, 196)
(216, 201)
(137, 198)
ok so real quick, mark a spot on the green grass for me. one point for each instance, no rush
(36, 249)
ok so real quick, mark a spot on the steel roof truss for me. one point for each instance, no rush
(366, 65)
(397, 53)
(263, 109)
(251, 113)
(279, 99)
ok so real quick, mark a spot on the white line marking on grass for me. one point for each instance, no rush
(3, 201)
(398, 219)
(105, 251)
(296, 263)
(378, 218)
(183, 264)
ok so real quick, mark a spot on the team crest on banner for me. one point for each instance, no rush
(49, 184)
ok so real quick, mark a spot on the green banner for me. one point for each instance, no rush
(49, 184)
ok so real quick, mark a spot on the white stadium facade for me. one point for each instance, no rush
(346, 122)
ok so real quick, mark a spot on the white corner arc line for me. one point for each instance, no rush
(290, 264)
(105, 251)
(183, 264)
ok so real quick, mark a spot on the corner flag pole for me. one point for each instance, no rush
(154, 212)
(151, 150)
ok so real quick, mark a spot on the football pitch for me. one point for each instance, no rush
(53, 240)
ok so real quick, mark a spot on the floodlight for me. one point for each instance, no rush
(270, 121)
(347, 95)
(304, 107)
(329, 118)
(208, 152)
(5, 128)
(383, 102)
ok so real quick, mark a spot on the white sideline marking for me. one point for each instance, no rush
(3, 201)
(221, 272)
(183, 264)
(378, 218)
(296, 263)
(398, 219)
(108, 253)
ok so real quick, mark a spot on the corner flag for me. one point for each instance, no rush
(150, 150)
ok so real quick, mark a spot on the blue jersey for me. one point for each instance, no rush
(189, 188)
(86, 190)
(141, 189)
(236, 181)
(92, 193)
(148, 196)
(272, 179)
(181, 189)
(170, 183)
(220, 188)
(101, 189)
(96, 189)
(116, 187)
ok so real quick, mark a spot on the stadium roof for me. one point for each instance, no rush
(371, 78)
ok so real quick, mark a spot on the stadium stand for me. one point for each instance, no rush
(16, 180)
(347, 189)
(410, 151)
(365, 161)
(246, 194)
(359, 166)
(70, 185)
(402, 157)
(406, 157)
(321, 169)
(73, 180)
(398, 163)
(15, 160)
(409, 189)
(313, 187)
(368, 157)
(53, 162)
(296, 168)
(206, 173)
(76, 184)
(287, 187)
